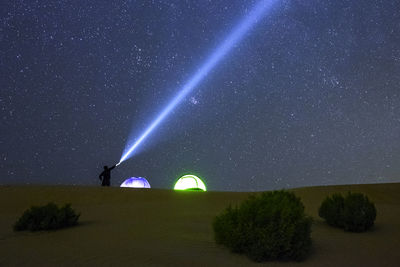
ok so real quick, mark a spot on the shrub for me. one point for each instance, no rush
(48, 217)
(331, 210)
(359, 213)
(271, 226)
(353, 213)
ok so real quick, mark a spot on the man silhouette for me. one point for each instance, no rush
(106, 174)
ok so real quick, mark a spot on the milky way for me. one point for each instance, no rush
(310, 97)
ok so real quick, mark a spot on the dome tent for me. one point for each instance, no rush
(190, 182)
(136, 182)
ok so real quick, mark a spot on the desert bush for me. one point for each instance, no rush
(271, 226)
(332, 209)
(48, 217)
(359, 213)
(353, 213)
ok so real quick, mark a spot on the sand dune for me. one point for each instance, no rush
(122, 227)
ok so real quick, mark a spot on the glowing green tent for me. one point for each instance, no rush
(190, 182)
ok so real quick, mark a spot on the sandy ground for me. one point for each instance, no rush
(121, 227)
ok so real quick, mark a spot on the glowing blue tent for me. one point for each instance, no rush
(136, 182)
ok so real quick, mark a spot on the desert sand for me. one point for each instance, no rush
(152, 227)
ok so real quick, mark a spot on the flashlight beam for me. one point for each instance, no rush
(256, 14)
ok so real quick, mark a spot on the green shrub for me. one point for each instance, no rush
(353, 213)
(48, 217)
(359, 213)
(332, 209)
(271, 226)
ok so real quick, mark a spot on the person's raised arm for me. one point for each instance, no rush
(113, 167)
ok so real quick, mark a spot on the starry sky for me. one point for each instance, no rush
(311, 96)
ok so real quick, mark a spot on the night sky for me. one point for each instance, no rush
(311, 96)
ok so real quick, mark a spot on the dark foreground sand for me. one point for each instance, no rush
(121, 227)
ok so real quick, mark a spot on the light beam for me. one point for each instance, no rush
(258, 11)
